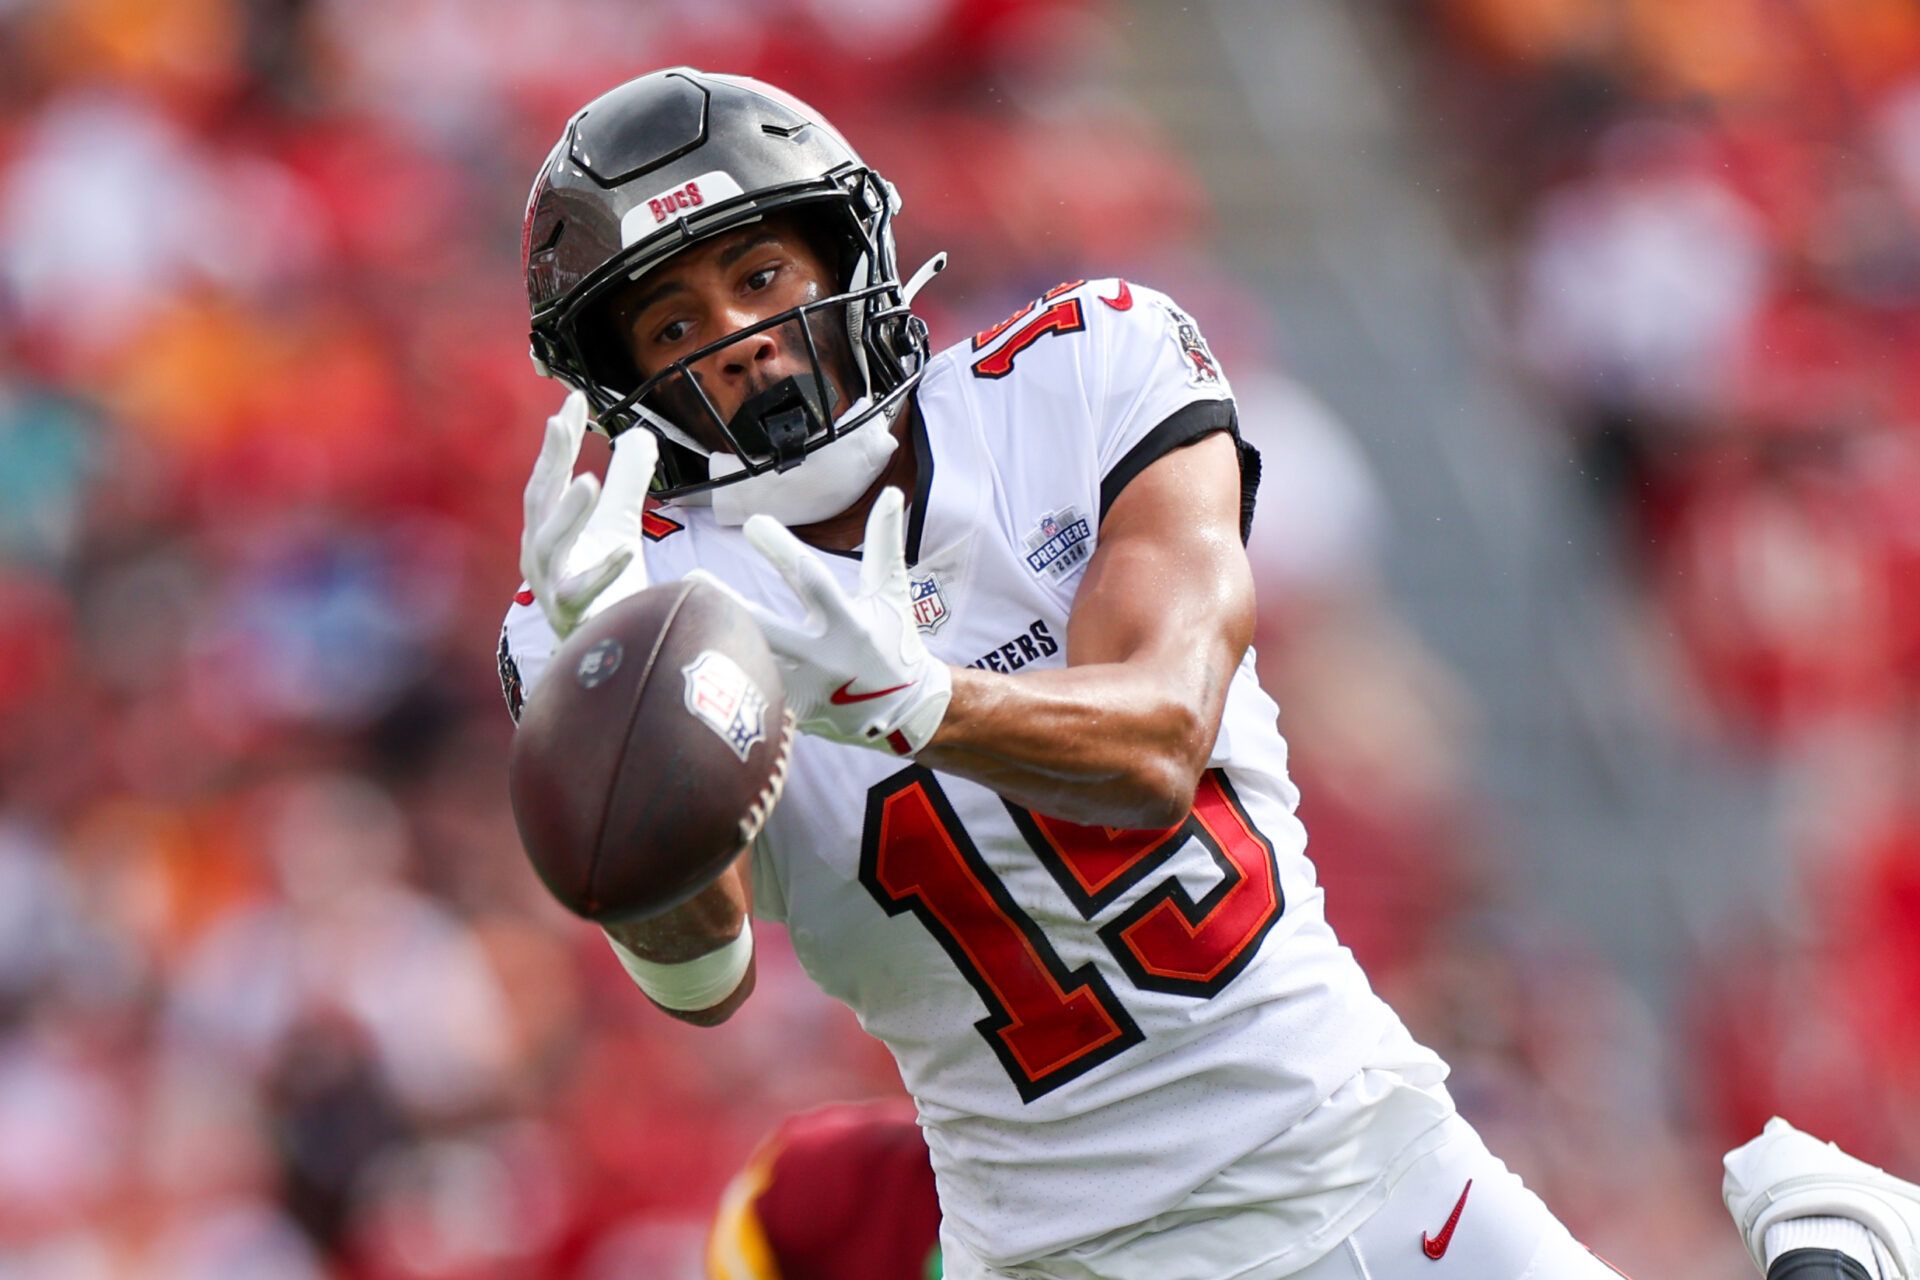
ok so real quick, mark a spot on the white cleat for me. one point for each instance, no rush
(1784, 1174)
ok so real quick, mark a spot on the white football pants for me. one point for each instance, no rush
(1503, 1231)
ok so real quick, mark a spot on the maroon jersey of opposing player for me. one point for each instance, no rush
(841, 1193)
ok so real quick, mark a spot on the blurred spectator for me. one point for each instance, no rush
(1642, 279)
(1715, 242)
(278, 996)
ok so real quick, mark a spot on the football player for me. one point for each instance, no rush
(843, 1192)
(1038, 832)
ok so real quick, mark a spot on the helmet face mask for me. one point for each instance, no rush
(675, 159)
(676, 399)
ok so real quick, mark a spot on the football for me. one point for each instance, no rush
(650, 753)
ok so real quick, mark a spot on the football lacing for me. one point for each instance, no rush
(762, 806)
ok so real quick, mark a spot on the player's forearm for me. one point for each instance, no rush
(702, 924)
(1106, 743)
(693, 931)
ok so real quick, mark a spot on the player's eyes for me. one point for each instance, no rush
(675, 332)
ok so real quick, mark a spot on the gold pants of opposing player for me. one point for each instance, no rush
(1496, 1230)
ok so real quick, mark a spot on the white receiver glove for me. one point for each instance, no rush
(579, 540)
(856, 670)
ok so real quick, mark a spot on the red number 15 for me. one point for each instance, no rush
(1046, 1023)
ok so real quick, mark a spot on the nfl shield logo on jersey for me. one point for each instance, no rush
(929, 606)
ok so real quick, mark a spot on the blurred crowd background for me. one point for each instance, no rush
(278, 996)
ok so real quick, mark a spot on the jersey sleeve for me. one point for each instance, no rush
(1153, 386)
(527, 645)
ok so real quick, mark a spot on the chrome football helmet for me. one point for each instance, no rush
(671, 159)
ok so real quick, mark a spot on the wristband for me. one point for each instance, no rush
(694, 984)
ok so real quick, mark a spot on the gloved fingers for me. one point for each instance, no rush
(573, 416)
(783, 637)
(798, 564)
(585, 592)
(790, 642)
(530, 565)
(776, 544)
(561, 529)
(618, 517)
(623, 498)
(703, 578)
(883, 557)
(559, 450)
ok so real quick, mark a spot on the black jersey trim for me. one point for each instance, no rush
(923, 477)
(1184, 426)
(922, 485)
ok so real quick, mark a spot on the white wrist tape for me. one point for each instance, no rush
(692, 984)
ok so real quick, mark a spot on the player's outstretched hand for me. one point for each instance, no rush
(579, 541)
(856, 670)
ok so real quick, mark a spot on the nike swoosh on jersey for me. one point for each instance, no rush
(1121, 301)
(1435, 1247)
(845, 697)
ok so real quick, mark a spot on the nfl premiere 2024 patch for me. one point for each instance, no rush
(1058, 545)
(726, 700)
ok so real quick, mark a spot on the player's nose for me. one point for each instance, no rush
(750, 355)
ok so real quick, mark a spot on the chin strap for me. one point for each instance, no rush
(918, 280)
(832, 479)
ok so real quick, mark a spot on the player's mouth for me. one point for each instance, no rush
(776, 422)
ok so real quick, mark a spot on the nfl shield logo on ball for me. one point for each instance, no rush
(598, 664)
(928, 605)
(726, 700)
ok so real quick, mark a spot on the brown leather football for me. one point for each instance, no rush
(650, 752)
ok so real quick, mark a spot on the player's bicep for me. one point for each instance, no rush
(1169, 582)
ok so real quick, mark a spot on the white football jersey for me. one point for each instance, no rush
(1093, 1022)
